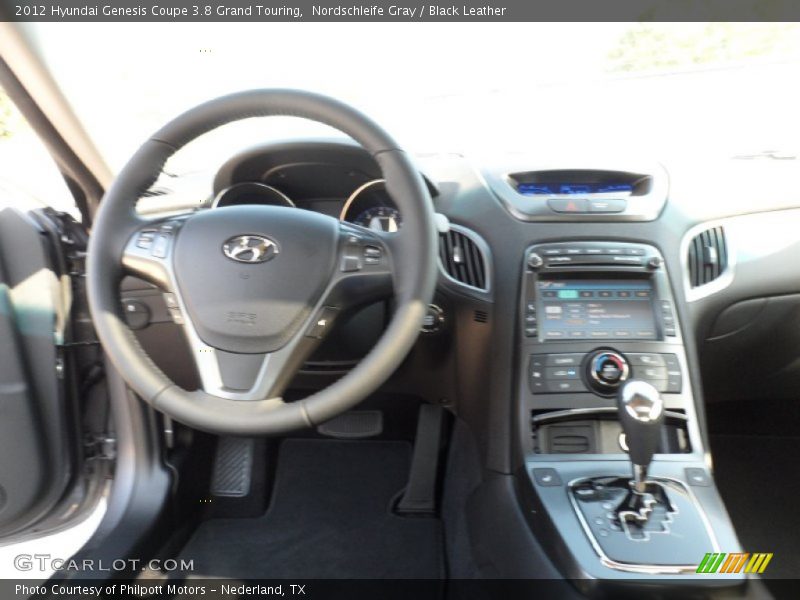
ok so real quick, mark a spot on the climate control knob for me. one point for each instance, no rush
(607, 370)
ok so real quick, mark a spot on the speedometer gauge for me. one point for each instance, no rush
(379, 218)
(251, 192)
(372, 207)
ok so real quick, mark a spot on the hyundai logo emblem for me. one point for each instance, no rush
(250, 249)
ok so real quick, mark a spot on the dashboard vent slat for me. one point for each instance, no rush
(463, 259)
(708, 256)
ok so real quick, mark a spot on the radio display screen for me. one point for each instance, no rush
(597, 309)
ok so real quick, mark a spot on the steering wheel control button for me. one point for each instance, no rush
(350, 263)
(358, 252)
(176, 315)
(372, 255)
(160, 245)
(171, 300)
(170, 226)
(607, 370)
(546, 477)
(321, 324)
(145, 239)
(137, 314)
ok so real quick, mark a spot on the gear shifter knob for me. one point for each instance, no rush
(641, 412)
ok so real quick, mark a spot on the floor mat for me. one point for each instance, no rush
(330, 517)
(758, 479)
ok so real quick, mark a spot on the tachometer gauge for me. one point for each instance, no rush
(379, 218)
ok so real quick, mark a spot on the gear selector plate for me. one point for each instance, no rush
(662, 527)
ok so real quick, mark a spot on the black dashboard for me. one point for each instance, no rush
(559, 280)
(725, 234)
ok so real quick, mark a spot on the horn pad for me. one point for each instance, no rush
(250, 275)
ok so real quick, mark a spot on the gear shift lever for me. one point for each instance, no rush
(641, 412)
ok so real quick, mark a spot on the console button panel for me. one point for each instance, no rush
(570, 373)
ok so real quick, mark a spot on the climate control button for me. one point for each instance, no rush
(607, 370)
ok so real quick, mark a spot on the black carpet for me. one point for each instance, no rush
(759, 480)
(330, 517)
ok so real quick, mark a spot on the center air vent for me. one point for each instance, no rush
(463, 258)
(708, 256)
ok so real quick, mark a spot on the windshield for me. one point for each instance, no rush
(660, 90)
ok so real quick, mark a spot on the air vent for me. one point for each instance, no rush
(708, 256)
(462, 258)
(481, 316)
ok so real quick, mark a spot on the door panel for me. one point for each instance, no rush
(36, 458)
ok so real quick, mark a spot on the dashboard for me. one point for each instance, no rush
(559, 279)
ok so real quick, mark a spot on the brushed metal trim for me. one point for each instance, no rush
(646, 569)
(257, 184)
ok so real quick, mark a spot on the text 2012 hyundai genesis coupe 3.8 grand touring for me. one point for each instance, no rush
(315, 355)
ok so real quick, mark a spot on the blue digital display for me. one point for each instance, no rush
(548, 189)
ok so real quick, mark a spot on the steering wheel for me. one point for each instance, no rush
(258, 287)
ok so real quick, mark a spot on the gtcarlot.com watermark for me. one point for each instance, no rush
(46, 562)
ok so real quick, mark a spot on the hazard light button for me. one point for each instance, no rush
(568, 205)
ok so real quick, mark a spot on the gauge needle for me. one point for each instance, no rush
(388, 224)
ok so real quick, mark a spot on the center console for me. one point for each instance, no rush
(617, 475)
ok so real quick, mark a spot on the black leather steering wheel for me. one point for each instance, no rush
(257, 287)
